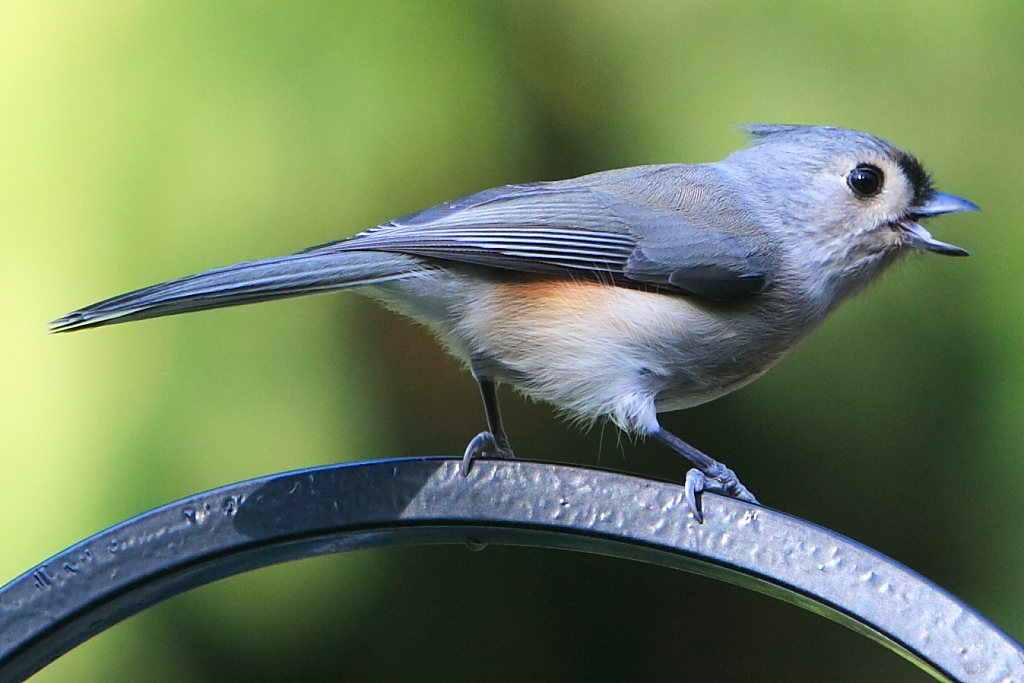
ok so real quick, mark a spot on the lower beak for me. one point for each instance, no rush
(939, 203)
(918, 237)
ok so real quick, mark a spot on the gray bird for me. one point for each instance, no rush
(620, 294)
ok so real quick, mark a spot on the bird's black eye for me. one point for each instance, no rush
(865, 180)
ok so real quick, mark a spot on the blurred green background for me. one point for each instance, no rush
(147, 140)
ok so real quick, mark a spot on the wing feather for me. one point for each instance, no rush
(581, 229)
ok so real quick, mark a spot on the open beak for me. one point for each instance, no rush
(939, 203)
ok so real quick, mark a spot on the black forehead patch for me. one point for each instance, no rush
(918, 177)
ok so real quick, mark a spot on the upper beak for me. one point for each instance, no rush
(939, 203)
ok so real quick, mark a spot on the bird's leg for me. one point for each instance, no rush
(493, 442)
(708, 474)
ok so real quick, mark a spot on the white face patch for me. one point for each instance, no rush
(890, 203)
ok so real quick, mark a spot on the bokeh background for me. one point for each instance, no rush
(147, 140)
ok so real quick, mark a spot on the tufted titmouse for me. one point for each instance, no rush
(624, 293)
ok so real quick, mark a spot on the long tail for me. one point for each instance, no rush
(245, 283)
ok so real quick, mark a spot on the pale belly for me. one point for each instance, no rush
(598, 350)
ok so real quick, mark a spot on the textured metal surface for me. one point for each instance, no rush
(120, 571)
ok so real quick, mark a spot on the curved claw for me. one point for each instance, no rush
(483, 445)
(725, 482)
(696, 482)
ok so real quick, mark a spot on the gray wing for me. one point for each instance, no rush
(582, 230)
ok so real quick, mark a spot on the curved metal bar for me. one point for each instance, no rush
(153, 556)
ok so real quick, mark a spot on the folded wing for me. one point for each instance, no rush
(578, 230)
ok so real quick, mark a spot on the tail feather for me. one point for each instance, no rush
(245, 283)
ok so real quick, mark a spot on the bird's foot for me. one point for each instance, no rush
(721, 480)
(484, 445)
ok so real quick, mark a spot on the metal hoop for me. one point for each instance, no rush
(158, 554)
